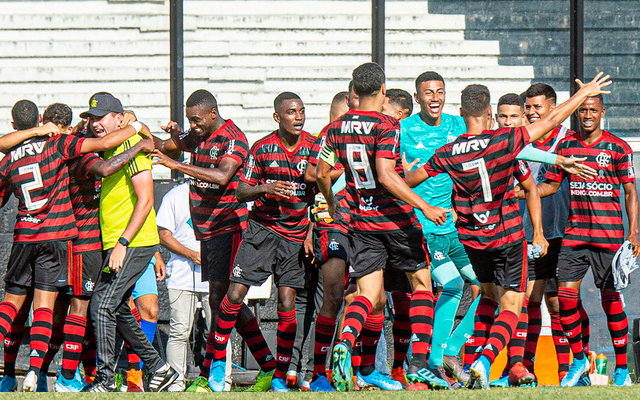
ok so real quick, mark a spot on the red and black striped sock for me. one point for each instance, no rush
(12, 344)
(519, 339)
(57, 338)
(586, 326)
(287, 325)
(371, 332)
(227, 317)
(421, 315)
(74, 328)
(356, 355)
(533, 333)
(40, 336)
(401, 327)
(133, 361)
(485, 315)
(209, 350)
(89, 351)
(355, 316)
(618, 325)
(325, 327)
(257, 345)
(500, 333)
(8, 313)
(570, 318)
(563, 350)
(469, 355)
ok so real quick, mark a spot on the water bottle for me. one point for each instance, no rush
(601, 364)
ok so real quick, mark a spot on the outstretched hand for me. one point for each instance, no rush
(408, 166)
(594, 87)
(573, 166)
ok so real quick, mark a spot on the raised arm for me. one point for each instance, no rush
(564, 110)
(222, 175)
(114, 164)
(12, 139)
(111, 140)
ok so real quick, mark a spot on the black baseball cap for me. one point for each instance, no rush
(102, 104)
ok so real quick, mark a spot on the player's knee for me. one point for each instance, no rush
(454, 285)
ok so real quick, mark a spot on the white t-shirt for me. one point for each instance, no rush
(174, 216)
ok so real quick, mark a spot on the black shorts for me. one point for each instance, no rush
(573, 263)
(546, 267)
(327, 244)
(263, 253)
(38, 265)
(83, 272)
(506, 267)
(396, 281)
(218, 254)
(404, 251)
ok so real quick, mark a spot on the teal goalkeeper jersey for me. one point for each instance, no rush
(419, 140)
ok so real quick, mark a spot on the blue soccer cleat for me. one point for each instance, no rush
(216, 376)
(621, 377)
(279, 385)
(577, 368)
(479, 372)
(503, 382)
(8, 384)
(68, 385)
(320, 383)
(376, 379)
(341, 372)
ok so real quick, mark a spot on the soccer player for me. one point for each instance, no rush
(37, 175)
(397, 104)
(420, 136)
(383, 230)
(594, 232)
(129, 240)
(275, 241)
(481, 164)
(218, 149)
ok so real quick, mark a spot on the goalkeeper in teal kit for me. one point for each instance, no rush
(420, 136)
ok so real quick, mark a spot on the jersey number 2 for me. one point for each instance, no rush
(484, 176)
(36, 183)
(362, 165)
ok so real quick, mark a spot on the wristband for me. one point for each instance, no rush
(123, 241)
(137, 125)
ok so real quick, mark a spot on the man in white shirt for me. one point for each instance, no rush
(186, 289)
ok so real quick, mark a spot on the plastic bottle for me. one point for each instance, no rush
(601, 364)
(592, 362)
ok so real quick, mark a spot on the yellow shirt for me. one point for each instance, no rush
(117, 200)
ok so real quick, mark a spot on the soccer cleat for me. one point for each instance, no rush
(279, 385)
(561, 375)
(306, 386)
(8, 384)
(341, 373)
(199, 385)
(99, 387)
(292, 379)
(30, 382)
(376, 379)
(577, 368)
(397, 374)
(134, 381)
(320, 383)
(520, 375)
(216, 376)
(263, 382)
(479, 373)
(621, 377)
(503, 382)
(453, 366)
(439, 372)
(425, 376)
(417, 386)
(584, 381)
(43, 385)
(69, 385)
(161, 378)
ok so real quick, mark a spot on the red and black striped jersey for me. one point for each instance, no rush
(38, 176)
(358, 138)
(214, 208)
(482, 168)
(341, 222)
(595, 213)
(270, 161)
(84, 191)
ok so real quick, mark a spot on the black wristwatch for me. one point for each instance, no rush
(123, 241)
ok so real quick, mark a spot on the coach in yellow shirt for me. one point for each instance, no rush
(129, 239)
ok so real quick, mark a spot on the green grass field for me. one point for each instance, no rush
(540, 393)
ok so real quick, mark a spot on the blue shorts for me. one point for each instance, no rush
(147, 283)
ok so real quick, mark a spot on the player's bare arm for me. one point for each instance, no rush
(574, 166)
(631, 206)
(174, 246)
(168, 146)
(389, 178)
(545, 189)
(221, 175)
(308, 241)
(415, 177)
(535, 212)
(114, 164)
(310, 173)
(143, 188)
(160, 267)
(13, 139)
(246, 192)
(111, 140)
(564, 110)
